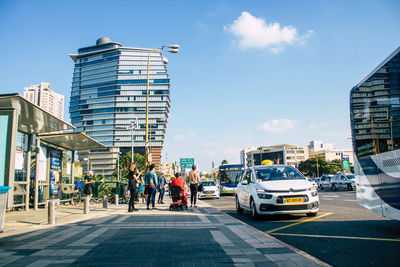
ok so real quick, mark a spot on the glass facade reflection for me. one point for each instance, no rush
(109, 92)
(375, 109)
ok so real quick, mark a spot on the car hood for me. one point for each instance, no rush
(210, 187)
(285, 185)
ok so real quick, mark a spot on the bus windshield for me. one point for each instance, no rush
(230, 176)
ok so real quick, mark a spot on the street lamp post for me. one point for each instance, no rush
(134, 125)
(167, 48)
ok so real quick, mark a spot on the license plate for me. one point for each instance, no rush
(208, 195)
(293, 200)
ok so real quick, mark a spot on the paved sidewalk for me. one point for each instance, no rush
(202, 236)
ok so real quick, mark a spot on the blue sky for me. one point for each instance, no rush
(249, 73)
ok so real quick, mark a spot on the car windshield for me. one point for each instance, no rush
(350, 176)
(210, 183)
(278, 173)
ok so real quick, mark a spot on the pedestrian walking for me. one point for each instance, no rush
(89, 184)
(132, 186)
(161, 188)
(194, 179)
(150, 181)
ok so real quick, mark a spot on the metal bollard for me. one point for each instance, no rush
(116, 199)
(86, 208)
(52, 212)
(105, 202)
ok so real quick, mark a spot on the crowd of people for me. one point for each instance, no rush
(149, 184)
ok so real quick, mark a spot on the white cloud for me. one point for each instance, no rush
(277, 125)
(253, 32)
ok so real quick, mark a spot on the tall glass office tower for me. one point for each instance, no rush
(108, 95)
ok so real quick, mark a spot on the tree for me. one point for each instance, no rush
(125, 161)
(224, 162)
(309, 166)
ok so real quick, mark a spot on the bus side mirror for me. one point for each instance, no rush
(244, 182)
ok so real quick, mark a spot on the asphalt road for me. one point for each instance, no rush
(343, 233)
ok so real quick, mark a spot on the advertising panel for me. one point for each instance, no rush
(42, 163)
(346, 162)
(55, 172)
(3, 146)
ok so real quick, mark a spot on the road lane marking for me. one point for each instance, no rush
(296, 223)
(341, 237)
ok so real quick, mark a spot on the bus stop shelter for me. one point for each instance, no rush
(37, 153)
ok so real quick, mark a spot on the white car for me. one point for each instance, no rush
(344, 181)
(325, 181)
(209, 190)
(276, 189)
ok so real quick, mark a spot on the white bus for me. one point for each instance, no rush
(375, 125)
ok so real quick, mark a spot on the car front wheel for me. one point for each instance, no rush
(238, 208)
(253, 210)
(349, 187)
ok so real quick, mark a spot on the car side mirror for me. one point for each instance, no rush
(244, 182)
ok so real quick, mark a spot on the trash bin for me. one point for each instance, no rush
(3, 205)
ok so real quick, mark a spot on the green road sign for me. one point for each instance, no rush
(346, 162)
(186, 162)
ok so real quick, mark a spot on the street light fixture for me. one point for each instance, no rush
(174, 48)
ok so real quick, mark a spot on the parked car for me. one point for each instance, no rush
(208, 189)
(276, 189)
(325, 181)
(343, 181)
(314, 181)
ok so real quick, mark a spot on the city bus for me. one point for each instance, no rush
(375, 126)
(228, 177)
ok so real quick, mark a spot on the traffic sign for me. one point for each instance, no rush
(186, 162)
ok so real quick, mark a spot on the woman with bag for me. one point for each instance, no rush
(132, 186)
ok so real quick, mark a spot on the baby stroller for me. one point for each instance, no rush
(177, 199)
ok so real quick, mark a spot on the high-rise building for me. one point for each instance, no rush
(109, 95)
(46, 98)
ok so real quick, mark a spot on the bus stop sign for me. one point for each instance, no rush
(187, 162)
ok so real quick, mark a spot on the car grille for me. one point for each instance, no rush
(208, 192)
(271, 207)
(279, 199)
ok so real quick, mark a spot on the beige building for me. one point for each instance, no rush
(45, 98)
(169, 168)
(280, 154)
(328, 151)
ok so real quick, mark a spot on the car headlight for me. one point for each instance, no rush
(264, 196)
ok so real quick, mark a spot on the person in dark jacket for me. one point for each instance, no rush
(161, 188)
(89, 184)
(132, 186)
